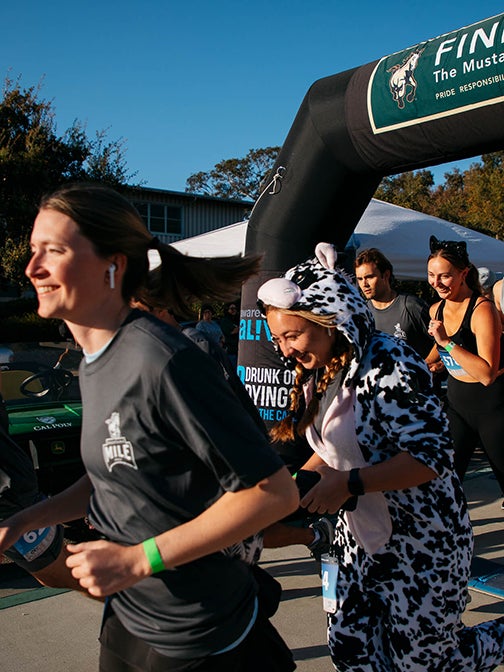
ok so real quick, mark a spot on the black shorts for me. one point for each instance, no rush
(263, 649)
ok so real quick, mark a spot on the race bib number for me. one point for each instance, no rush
(32, 544)
(330, 569)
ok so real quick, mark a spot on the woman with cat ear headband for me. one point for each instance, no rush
(379, 434)
(467, 330)
(177, 471)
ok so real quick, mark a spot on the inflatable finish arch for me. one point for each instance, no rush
(439, 101)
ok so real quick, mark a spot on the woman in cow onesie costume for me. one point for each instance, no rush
(379, 434)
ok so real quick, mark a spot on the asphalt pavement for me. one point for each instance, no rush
(50, 631)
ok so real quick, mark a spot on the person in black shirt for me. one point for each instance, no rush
(467, 330)
(177, 471)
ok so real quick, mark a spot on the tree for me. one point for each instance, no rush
(15, 257)
(484, 192)
(106, 162)
(34, 160)
(410, 189)
(473, 198)
(235, 178)
(449, 199)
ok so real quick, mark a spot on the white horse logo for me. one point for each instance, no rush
(402, 83)
(117, 449)
(114, 426)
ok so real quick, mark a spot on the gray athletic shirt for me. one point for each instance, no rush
(407, 318)
(163, 437)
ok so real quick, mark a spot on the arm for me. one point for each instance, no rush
(67, 505)
(400, 472)
(313, 463)
(497, 295)
(105, 567)
(401, 411)
(485, 326)
(233, 517)
(433, 361)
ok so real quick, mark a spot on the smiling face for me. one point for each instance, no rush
(308, 343)
(445, 278)
(67, 274)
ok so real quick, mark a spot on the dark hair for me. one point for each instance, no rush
(374, 256)
(204, 308)
(455, 252)
(453, 248)
(113, 225)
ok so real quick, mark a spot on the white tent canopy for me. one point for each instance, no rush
(401, 234)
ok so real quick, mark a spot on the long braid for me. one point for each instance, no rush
(285, 430)
(337, 363)
(292, 424)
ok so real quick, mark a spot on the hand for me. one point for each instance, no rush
(103, 567)
(329, 494)
(438, 332)
(436, 367)
(10, 532)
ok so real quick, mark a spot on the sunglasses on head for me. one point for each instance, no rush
(456, 247)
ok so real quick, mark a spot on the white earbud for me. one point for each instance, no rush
(112, 270)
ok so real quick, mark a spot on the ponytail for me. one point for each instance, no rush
(181, 280)
(113, 225)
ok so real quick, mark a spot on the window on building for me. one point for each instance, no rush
(143, 211)
(173, 219)
(161, 218)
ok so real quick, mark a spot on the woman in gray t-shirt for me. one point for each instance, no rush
(176, 469)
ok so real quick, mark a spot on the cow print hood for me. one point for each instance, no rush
(319, 286)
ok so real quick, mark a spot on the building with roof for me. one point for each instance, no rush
(175, 215)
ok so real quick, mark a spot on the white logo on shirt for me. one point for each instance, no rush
(399, 332)
(117, 449)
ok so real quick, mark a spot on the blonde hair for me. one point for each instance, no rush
(300, 418)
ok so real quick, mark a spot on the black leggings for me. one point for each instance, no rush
(476, 415)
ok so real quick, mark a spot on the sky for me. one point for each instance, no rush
(186, 84)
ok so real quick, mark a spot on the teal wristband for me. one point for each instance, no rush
(450, 346)
(153, 555)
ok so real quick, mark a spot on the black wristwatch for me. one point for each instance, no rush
(355, 485)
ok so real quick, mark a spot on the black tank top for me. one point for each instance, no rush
(463, 336)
